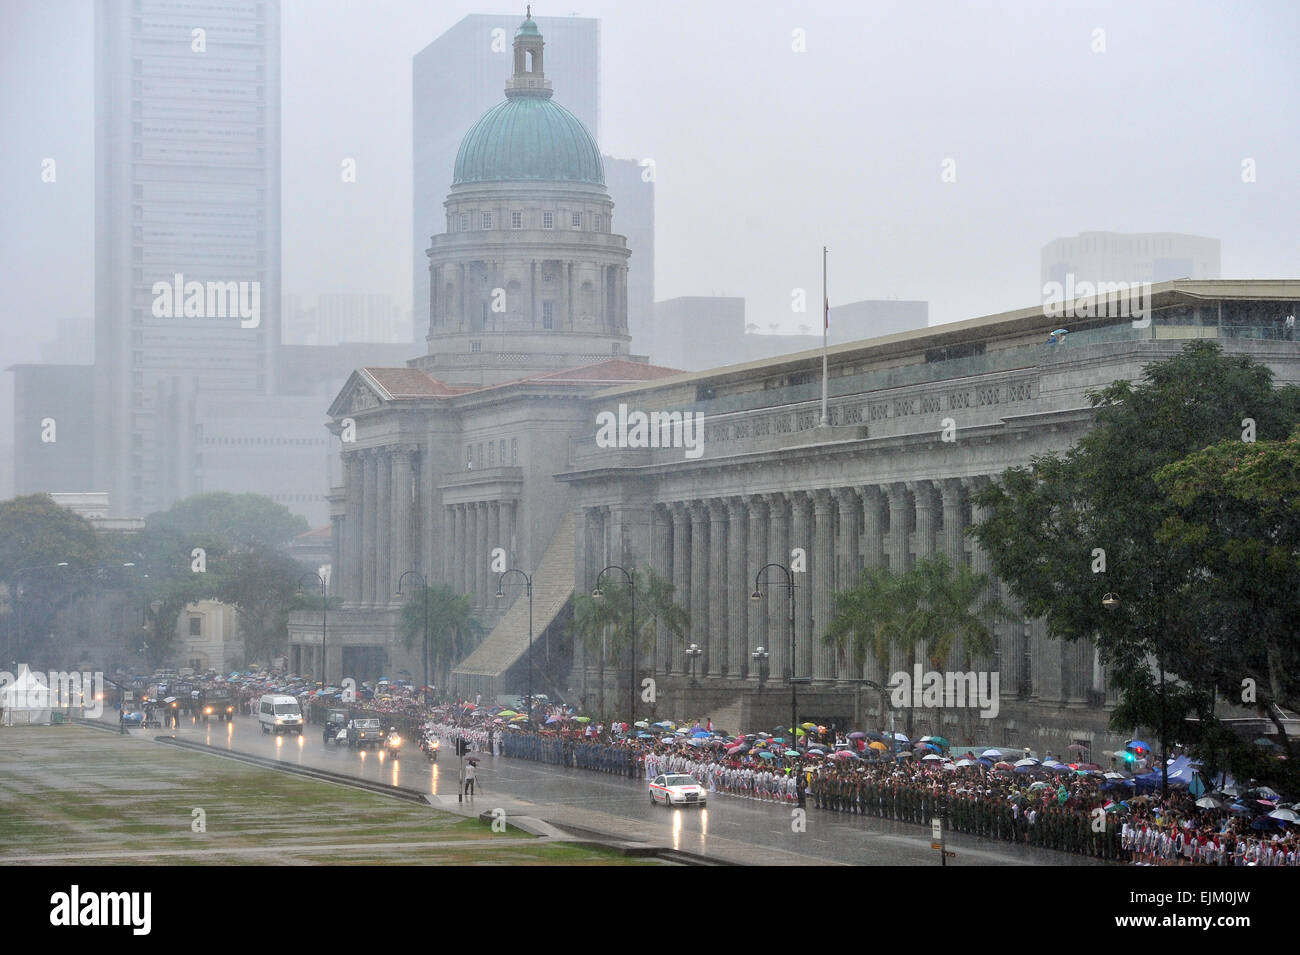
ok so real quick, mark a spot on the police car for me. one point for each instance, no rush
(677, 790)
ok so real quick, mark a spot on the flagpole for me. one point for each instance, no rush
(826, 324)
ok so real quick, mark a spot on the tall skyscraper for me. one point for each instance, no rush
(461, 75)
(187, 245)
(1129, 257)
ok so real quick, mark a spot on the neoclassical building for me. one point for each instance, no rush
(485, 450)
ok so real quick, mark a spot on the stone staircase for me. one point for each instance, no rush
(507, 644)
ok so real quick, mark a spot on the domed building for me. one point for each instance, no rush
(449, 462)
(529, 275)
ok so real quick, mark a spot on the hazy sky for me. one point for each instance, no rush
(763, 154)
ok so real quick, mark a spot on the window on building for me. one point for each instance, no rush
(516, 220)
(476, 346)
(196, 626)
(548, 315)
(548, 220)
(616, 345)
(492, 455)
(576, 220)
(464, 222)
(600, 224)
(487, 220)
(469, 457)
(502, 447)
(514, 451)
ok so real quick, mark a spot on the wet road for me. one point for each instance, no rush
(534, 787)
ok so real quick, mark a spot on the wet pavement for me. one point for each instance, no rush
(729, 828)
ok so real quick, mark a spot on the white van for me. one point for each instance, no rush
(279, 714)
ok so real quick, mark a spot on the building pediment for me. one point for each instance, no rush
(356, 395)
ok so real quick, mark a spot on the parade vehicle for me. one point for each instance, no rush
(429, 743)
(279, 714)
(393, 743)
(363, 733)
(336, 722)
(218, 706)
(677, 790)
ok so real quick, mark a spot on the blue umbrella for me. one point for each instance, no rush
(764, 754)
(645, 736)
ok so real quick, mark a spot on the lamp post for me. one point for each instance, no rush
(694, 652)
(598, 594)
(757, 595)
(528, 585)
(18, 605)
(324, 614)
(1111, 602)
(760, 657)
(424, 594)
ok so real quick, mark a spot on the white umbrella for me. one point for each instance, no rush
(992, 753)
(1026, 762)
(1286, 815)
(931, 757)
(964, 762)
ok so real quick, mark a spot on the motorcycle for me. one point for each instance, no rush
(393, 743)
(429, 743)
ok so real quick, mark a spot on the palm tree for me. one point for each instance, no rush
(612, 614)
(453, 631)
(933, 603)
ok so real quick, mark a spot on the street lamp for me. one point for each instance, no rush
(424, 593)
(760, 657)
(757, 595)
(324, 614)
(694, 652)
(599, 594)
(528, 585)
(1111, 603)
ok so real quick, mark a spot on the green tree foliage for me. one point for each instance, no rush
(453, 631)
(935, 604)
(1238, 530)
(36, 535)
(1051, 524)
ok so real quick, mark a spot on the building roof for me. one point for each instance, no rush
(614, 371)
(395, 384)
(532, 139)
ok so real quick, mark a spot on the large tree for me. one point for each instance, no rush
(453, 631)
(36, 536)
(1239, 531)
(934, 604)
(1071, 528)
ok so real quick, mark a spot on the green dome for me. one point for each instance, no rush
(529, 138)
(527, 28)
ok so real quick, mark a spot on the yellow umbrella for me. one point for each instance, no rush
(799, 732)
(809, 726)
(878, 745)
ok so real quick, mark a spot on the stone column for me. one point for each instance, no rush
(368, 515)
(468, 546)
(507, 531)
(661, 564)
(1004, 643)
(581, 562)
(849, 565)
(401, 560)
(383, 529)
(738, 584)
(801, 536)
(926, 505)
(452, 530)
(681, 575)
(337, 577)
(700, 576)
(481, 563)
(953, 544)
(719, 595)
(874, 515)
(900, 514)
(756, 552)
(822, 577)
(352, 524)
(493, 542)
(774, 588)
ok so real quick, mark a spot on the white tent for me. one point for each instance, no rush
(26, 701)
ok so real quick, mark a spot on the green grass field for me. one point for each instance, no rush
(75, 795)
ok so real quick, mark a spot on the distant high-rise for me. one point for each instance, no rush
(187, 135)
(1129, 257)
(461, 75)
